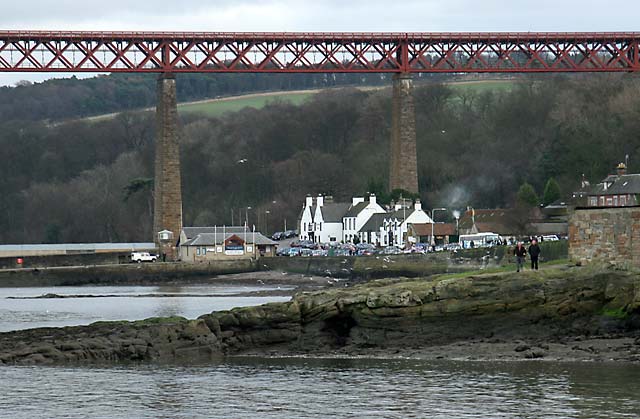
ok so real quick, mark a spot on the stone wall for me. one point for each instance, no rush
(168, 190)
(605, 235)
(123, 274)
(403, 158)
(76, 259)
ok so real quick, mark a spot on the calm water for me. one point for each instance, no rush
(295, 388)
(123, 303)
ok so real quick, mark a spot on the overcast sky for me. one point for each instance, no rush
(318, 15)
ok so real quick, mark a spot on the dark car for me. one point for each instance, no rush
(289, 233)
(278, 235)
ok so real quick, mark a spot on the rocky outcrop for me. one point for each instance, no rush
(393, 313)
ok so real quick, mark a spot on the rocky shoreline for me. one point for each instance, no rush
(568, 313)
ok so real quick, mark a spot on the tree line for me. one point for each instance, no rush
(92, 181)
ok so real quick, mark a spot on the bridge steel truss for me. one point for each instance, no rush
(169, 52)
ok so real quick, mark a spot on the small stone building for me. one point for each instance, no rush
(222, 245)
(609, 235)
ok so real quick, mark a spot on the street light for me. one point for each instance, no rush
(266, 221)
(433, 223)
(246, 216)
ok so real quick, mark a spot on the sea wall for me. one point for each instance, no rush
(609, 235)
(387, 314)
(123, 274)
(77, 259)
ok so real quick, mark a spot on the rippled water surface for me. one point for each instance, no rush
(90, 304)
(298, 388)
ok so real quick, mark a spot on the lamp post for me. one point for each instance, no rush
(433, 223)
(246, 216)
(266, 222)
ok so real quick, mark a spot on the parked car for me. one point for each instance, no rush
(391, 250)
(550, 238)
(306, 252)
(140, 257)
(289, 233)
(282, 251)
(294, 251)
(277, 236)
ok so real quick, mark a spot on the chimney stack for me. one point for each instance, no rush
(309, 201)
(621, 169)
(320, 201)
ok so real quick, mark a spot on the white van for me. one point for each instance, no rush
(469, 241)
(140, 257)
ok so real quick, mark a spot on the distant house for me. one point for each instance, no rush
(390, 229)
(619, 190)
(327, 220)
(219, 243)
(500, 220)
(357, 216)
(306, 226)
(442, 232)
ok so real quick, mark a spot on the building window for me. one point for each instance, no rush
(304, 226)
(615, 201)
(623, 201)
(320, 226)
(609, 201)
(593, 201)
(602, 201)
(198, 251)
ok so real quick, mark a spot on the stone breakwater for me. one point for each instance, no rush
(380, 317)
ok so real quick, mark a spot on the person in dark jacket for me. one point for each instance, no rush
(520, 252)
(534, 253)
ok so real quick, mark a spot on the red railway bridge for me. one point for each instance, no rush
(169, 53)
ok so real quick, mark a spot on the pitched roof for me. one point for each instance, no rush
(333, 212)
(211, 239)
(401, 214)
(622, 185)
(439, 229)
(354, 210)
(498, 220)
(374, 223)
(192, 232)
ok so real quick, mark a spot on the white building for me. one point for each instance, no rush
(306, 227)
(327, 220)
(390, 229)
(357, 216)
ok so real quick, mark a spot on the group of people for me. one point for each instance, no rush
(520, 252)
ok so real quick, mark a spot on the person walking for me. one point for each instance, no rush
(520, 252)
(534, 253)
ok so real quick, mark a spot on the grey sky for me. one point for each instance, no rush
(317, 15)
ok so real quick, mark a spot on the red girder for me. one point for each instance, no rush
(185, 52)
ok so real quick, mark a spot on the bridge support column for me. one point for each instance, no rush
(168, 190)
(403, 159)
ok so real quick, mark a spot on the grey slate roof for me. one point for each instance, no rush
(333, 212)
(401, 214)
(375, 222)
(625, 184)
(211, 239)
(354, 210)
(192, 232)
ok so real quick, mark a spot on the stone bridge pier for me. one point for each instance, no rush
(167, 186)
(403, 160)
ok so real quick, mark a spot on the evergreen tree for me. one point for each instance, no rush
(527, 196)
(551, 192)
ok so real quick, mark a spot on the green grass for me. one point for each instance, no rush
(511, 267)
(218, 107)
